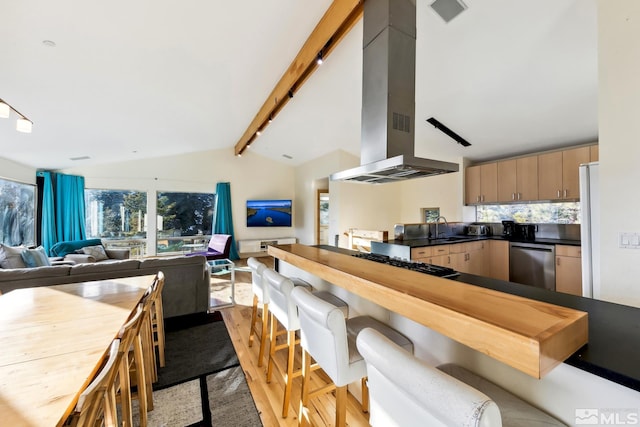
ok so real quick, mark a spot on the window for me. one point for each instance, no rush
(185, 221)
(17, 217)
(118, 217)
(539, 213)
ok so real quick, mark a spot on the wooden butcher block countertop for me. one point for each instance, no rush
(529, 335)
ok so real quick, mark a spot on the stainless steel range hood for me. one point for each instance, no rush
(388, 98)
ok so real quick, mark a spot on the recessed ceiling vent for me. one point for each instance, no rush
(448, 9)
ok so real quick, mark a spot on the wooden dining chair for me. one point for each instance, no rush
(96, 404)
(137, 359)
(128, 336)
(157, 317)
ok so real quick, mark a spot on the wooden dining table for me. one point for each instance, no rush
(53, 340)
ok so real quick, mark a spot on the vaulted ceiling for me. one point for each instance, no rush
(130, 80)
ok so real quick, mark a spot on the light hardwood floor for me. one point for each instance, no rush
(268, 397)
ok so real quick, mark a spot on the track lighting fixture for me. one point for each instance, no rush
(270, 118)
(319, 60)
(23, 124)
(290, 93)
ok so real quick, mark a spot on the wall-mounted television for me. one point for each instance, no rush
(269, 213)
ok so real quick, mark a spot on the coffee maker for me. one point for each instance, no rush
(508, 229)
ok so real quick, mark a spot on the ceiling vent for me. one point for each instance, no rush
(448, 9)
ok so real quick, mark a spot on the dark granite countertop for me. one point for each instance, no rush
(417, 243)
(613, 350)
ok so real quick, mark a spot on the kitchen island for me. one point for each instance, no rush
(602, 374)
(529, 335)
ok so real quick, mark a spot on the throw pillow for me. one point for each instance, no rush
(35, 257)
(95, 251)
(10, 256)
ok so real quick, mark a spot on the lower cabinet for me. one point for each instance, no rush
(498, 259)
(568, 269)
(489, 258)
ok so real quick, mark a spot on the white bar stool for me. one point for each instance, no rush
(284, 310)
(331, 341)
(259, 298)
(405, 391)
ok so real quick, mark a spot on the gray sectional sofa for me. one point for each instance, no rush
(186, 288)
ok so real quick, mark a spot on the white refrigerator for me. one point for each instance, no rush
(590, 229)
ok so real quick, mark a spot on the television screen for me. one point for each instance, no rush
(268, 213)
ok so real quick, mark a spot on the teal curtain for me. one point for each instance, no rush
(223, 222)
(48, 223)
(70, 224)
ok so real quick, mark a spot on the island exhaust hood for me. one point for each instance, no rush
(388, 98)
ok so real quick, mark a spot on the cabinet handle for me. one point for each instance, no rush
(518, 196)
(558, 262)
(482, 198)
(513, 196)
(558, 194)
(477, 198)
(565, 194)
(448, 260)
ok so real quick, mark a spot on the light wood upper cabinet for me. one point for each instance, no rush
(472, 185)
(550, 176)
(571, 161)
(518, 179)
(547, 176)
(507, 176)
(481, 183)
(527, 178)
(558, 176)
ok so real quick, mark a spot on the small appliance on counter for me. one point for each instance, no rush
(508, 229)
(526, 232)
(476, 230)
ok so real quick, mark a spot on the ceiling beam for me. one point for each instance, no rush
(337, 21)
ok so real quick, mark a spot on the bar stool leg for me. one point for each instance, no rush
(365, 395)
(254, 319)
(263, 337)
(303, 412)
(272, 346)
(291, 343)
(341, 406)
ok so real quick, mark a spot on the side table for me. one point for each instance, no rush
(222, 290)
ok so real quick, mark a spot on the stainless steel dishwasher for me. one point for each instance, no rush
(533, 264)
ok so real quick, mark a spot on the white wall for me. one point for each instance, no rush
(251, 176)
(371, 207)
(441, 191)
(619, 121)
(17, 172)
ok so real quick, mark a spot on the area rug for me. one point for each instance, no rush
(195, 345)
(202, 384)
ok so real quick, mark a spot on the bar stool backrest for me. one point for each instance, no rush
(405, 391)
(281, 304)
(323, 334)
(257, 281)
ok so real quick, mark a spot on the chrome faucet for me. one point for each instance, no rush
(445, 223)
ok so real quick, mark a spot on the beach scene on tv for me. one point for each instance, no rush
(268, 213)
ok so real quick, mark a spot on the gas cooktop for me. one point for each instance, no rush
(434, 270)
